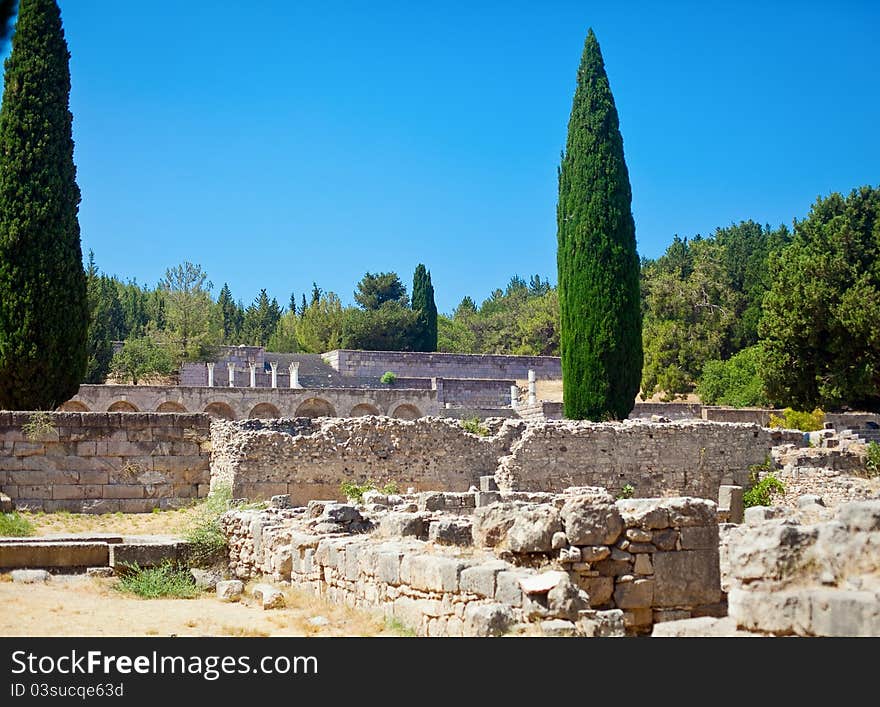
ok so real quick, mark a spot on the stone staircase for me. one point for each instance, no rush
(80, 552)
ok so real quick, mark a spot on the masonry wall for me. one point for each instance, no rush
(310, 459)
(444, 365)
(105, 462)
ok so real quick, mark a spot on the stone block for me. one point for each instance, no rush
(491, 524)
(30, 576)
(488, 483)
(686, 512)
(487, 498)
(268, 596)
(770, 551)
(432, 572)
(398, 525)
(860, 515)
(145, 554)
(589, 523)
(612, 568)
(124, 491)
(480, 579)
(487, 619)
(595, 553)
(643, 565)
(686, 577)
(730, 498)
(507, 586)
(638, 618)
(533, 529)
(699, 537)
(448, 531)
(558, 628)
(645, 513)
(782, 612)
(844, 613)
(600, 589)
(634, 595)
(230, 590)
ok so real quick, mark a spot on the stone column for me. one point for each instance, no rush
(533, 389)
(514, 396)
(253, 375)
(210, 374)
(294, 375)
(231, 368)
(274, 365)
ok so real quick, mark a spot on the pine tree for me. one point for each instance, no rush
(228, 315)
(44, 314)
(423, 303)
(601, 326)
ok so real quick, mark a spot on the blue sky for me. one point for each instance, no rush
(293, 142)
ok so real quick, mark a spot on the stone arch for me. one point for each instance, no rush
(221, 411)
(73, 406)
(406, 412)
(170, 406)
(264, 411)
(122, 406)
(364, 409)
(315, 407)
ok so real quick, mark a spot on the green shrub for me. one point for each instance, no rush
(208, 544)
(13, 525)
(736, 382)
(803, 421)
(40, 423)
(474, 426)
(627, 491)
(355, 492)
(872, 459)
(390, 488)
(166, 580)
(388, 378)
(762, 490)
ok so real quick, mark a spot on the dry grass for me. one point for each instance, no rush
(161, 523)
(76, 605)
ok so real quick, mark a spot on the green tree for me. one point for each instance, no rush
(600, 316)
(260, 320)
(319, 326)
(423, 304)
(819, 330)
(390, 327)
(375, 289)
(106, 322)
(44, 314)
(283, 340)
(231, 316)
(738, 381)
(141, 357)
(187, 293)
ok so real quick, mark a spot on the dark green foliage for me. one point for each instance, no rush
(44, 313)
(601, 321)
(260, 320)
(231, 316)
(374, 290)
(423, 304)
(140, 358)
(391, 327)
(762, 489)
(168, 580)
(819, 330)
(106, 324)
(737, 381)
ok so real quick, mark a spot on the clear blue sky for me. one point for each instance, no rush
(280, 142)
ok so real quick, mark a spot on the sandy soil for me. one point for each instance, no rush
(162, 523)
(76, 605)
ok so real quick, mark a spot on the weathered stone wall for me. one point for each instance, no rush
(475, 393)
(443, 365)
(310, 459)
(105, 462)
(678, 458)
(572, 564)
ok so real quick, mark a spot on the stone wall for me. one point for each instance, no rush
(572, 564)
(311, 459)
(104, 462)
(474, 392)
(443, 365)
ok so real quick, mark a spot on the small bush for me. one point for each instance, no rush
(627, 491)
(390, 488)
(737, 381)
(803, 421)
(355, 492)
(388, 378)
(13, 525)
(166, 580)
(762, 490)
(39, 424)
(208, 544)
(872, 459)
(474, 426)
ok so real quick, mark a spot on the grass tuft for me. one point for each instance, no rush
(168, 580)
(14, 525)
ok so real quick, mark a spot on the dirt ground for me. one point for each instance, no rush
(77, 605)
(161, 523)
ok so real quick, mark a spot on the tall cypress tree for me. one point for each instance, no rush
(44, 313)
(423, 303)
(601, 323)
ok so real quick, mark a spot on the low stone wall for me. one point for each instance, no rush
(310, 459)
(104, 462)
(572, 564)
(679, 458)
(474, 393)
(443, 365)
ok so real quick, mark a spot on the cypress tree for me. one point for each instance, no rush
(601, 324)
(423, 303)
(44, 313)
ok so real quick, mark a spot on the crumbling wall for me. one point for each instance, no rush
(104, 462)
(309, 459)
(445, 565)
